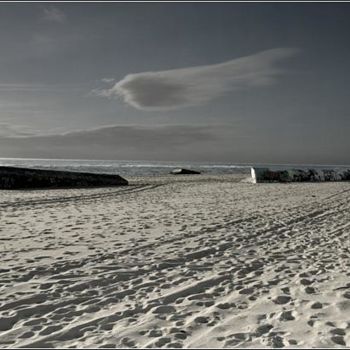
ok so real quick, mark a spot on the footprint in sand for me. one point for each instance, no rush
(263, 329)
(282, 299)
(338, 339)
(50, 329)
(162, 341)
(287, 316)
(346, 295)
(225, 306)
(310, 290)
(237, 338)
(316, 305)
(174, 345)
(155, 333)
(128, 342)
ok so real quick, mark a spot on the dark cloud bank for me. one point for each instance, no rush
(195, 143)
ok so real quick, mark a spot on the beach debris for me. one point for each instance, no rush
(25, 178)
(181, 171)
(299, 175)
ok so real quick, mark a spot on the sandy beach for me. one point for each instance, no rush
(176, 261)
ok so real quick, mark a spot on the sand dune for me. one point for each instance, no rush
(176, 262)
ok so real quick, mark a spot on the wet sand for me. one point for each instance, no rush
(176, 261)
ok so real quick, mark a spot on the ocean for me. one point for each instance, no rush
(139, 168)
(122, 167)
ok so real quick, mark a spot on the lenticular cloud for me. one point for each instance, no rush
(178, 88)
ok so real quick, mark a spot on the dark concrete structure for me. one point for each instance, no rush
(299, 175)
(182, 171)
(24, 178)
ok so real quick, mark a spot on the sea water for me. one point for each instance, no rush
(139, 168)
(122, 167)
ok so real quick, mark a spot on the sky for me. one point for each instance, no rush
(216, 82)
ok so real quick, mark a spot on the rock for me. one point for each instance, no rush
(267, 175)
(24, 178)
(182, 171)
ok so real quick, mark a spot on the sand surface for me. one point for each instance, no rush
(187, 261)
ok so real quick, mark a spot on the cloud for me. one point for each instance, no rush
(53, 14)
(185, 87)
(114, 142)
(27, 87)
(39, 87)
(108, 80)
(10, 130)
